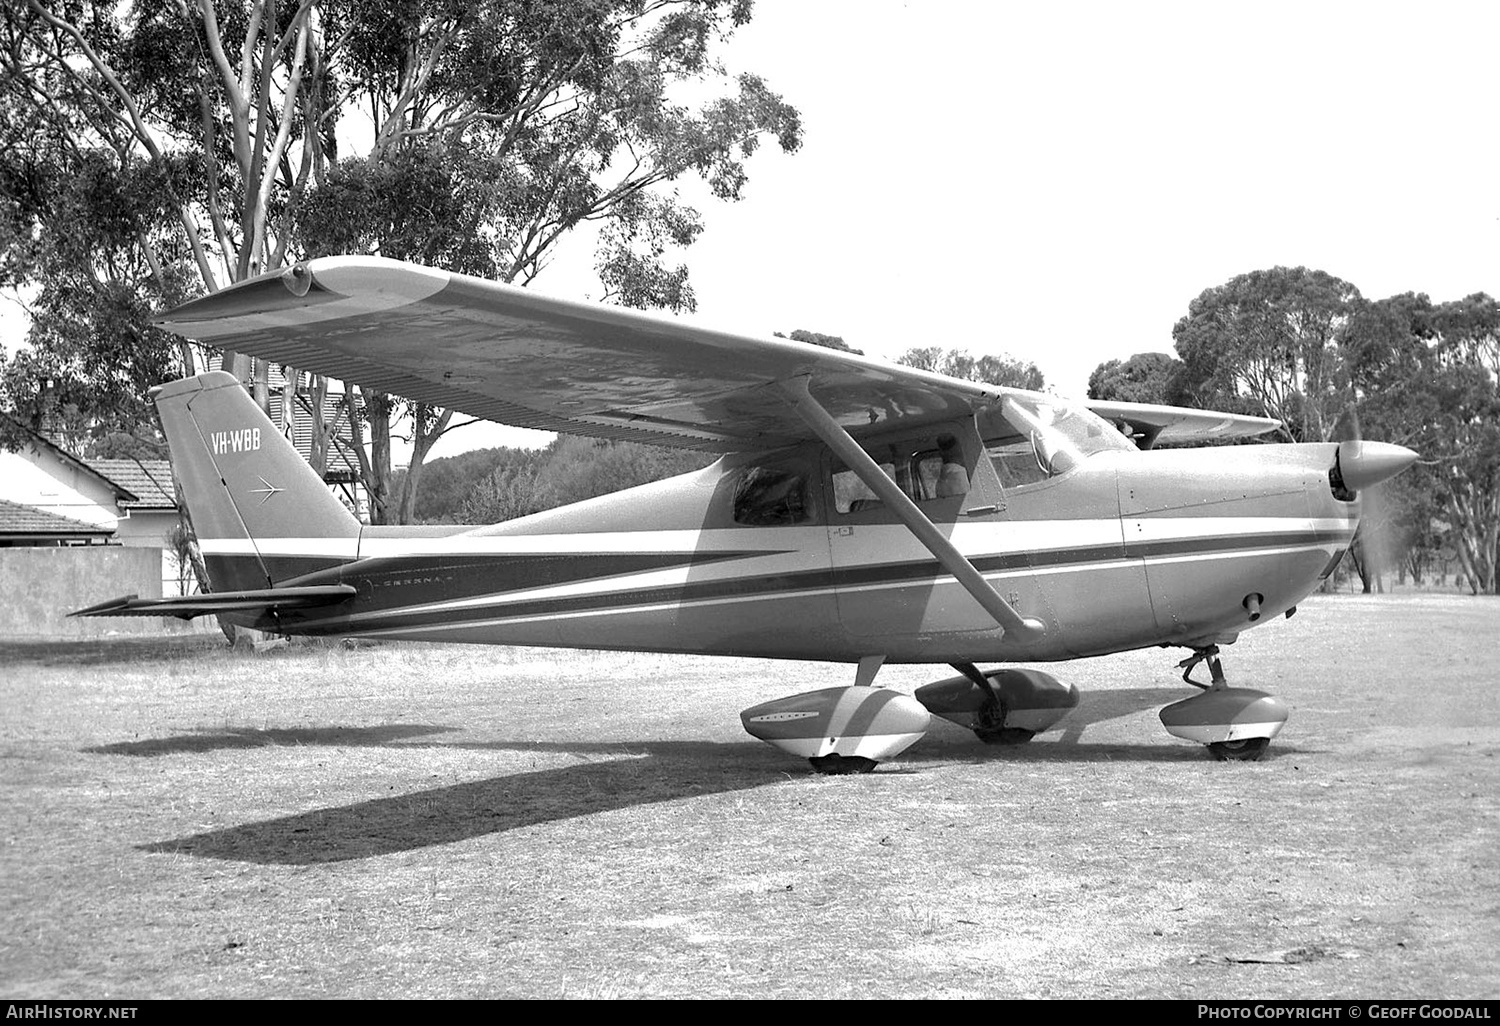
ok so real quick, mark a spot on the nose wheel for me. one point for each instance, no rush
(1236, 724)
(841, 765)
(1248, 749)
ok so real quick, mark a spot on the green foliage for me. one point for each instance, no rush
(72, 224)
(570, 470)
(640, 279)
(1144, 378)
(426, 204)
(817, 338)
(1268, 343)
(504, 127)
(159, 151)
(448, 482)
(958, 363)
(1308, 349)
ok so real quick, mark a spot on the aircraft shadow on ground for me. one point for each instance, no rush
(622, 776)
(209, 741)
(618, 775)
(951, 743)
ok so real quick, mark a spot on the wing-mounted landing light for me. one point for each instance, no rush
(822, 423)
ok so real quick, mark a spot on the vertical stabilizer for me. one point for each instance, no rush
(262, 516)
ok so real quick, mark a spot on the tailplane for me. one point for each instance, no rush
(262, 516)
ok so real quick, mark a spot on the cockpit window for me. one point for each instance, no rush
(768, 496)
(1031, 439)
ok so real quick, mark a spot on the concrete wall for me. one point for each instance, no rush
(40, 586)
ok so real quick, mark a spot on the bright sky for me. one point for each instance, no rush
(1058, 181)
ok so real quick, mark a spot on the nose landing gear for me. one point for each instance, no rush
(1237, 724)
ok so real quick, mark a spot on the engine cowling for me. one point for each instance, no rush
(1031, 700)
(853, 722)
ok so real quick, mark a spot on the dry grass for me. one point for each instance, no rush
(185, 821)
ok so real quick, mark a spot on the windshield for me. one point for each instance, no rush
(1034, 438)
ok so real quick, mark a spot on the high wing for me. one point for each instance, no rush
(512, 355)
(1152, 424)
(189, 606)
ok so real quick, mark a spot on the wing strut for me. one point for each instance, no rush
(821, 422)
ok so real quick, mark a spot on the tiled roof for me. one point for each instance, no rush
(150, 481)
(16, 519)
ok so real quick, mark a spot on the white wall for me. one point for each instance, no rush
(46, 482)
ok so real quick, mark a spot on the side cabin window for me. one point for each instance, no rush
(923, 468)
(1015, 460)
(770, 496)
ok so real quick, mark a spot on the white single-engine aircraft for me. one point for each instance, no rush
(861, 512)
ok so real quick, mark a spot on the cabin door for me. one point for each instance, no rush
(886, 581)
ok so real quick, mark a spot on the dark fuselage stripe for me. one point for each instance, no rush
(485, 574)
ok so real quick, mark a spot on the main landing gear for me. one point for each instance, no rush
(840, 730)
(1001, 707)
(1237, 724)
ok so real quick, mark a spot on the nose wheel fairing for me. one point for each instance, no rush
(1237, 724)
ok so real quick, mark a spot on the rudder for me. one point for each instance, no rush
(262, 516)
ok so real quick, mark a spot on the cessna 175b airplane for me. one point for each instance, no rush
(861, 512)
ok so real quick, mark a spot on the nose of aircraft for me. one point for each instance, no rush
(1362, 464)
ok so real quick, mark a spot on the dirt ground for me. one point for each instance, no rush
(185, 821)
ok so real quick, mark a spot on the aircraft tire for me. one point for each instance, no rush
(1004, 735)
(838, 765)
(1248, 749)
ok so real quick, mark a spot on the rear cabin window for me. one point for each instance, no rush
(769, 496)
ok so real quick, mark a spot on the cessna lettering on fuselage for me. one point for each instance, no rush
(243, 440)
(859, 512)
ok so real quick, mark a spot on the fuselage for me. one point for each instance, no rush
(1120, 550)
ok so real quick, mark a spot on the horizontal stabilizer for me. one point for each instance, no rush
(189, 606)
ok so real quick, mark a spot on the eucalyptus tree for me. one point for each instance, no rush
(1268, 342)
(989, 368)
(473, 136)
(1144, 378)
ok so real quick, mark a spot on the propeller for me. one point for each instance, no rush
(1359, 468)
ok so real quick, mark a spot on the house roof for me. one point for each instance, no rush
(17, 520)
(147, 482)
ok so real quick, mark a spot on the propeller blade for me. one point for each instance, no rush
(1346, 428)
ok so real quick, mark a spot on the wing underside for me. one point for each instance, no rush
(517, 357)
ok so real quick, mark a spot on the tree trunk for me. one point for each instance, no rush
(428, 425)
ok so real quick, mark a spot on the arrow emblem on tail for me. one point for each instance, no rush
(266, 492)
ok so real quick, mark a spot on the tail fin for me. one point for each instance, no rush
(262, 516)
